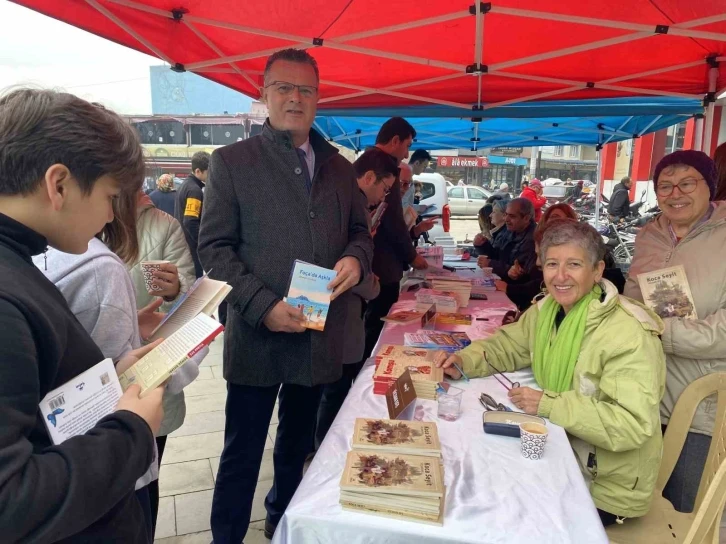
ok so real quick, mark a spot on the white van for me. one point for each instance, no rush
(434, 192)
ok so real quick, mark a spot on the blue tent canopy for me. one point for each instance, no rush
(582, 122)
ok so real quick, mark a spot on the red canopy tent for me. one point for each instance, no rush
(448, 53)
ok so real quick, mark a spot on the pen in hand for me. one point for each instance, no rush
(466, 378)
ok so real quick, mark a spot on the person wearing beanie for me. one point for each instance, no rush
(164, 197)
(533, 193)
(504, 191)
(690, 232)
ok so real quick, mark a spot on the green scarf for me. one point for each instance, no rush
(554, 361)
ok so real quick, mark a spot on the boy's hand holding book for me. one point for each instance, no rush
(148, 408)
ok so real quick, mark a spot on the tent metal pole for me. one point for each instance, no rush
(649, 73)
(437, 79)
(399, 95)
(598, 188)
(530, 97)
(619, 129)
(698, 144)
(570, 50)
(129, 30)
(708, 124)
(218, 51)
(677, 29)
(355, 147)
(583, 84)
(406, 26)
(321, 131)
(653, 122)
(199, 66)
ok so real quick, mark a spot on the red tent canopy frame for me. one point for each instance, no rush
(469, 57)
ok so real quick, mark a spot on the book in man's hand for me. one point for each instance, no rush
(309, 292)
(204, 296)
(667, 292)
(157, 366)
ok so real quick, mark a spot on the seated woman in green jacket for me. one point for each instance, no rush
(599, 361)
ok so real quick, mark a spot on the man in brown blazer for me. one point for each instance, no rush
(283, 195)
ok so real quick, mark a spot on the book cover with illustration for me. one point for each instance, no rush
(309, 292)
(412, 437)
(448, 341)
(398, 474)
(392, 361)
(667, 292)
(422, 314)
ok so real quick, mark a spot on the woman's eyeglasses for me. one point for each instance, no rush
(686, 187)
(490, 405)
(498, 374)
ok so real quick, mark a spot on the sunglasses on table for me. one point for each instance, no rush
(490, 405)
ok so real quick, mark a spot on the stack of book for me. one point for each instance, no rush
(395, 470)
(445, 301)
(447, 341)
(434, 255)
(421, 315)
(480, 286)
(460, 287)
(392, 361)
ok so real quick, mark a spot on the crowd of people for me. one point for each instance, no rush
(75, 226)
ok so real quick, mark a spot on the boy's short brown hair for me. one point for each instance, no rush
(40, 128)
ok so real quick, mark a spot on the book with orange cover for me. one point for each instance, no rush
(392, 361)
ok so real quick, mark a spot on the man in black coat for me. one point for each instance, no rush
(393, 245)
(189, 204)
(513, 257)
(250, 237)
(619, 207)
(63, 161)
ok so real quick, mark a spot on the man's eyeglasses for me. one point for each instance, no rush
(686, 186)
(284, 88)
(386, 188)
(490, 405)
(499, 374)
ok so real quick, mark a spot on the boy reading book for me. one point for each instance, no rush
(62, 163)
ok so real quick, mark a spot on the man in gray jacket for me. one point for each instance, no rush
(251, 240)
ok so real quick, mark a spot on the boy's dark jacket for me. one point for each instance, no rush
(83, 489)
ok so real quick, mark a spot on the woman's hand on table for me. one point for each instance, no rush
(447, 361)
(501, 285)
(526, 399)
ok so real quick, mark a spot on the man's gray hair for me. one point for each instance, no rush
(524, 206)
(291, 55)
(559, 232)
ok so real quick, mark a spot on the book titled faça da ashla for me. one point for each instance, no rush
(309, 292)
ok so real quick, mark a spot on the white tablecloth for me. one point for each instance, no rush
(493, 494)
